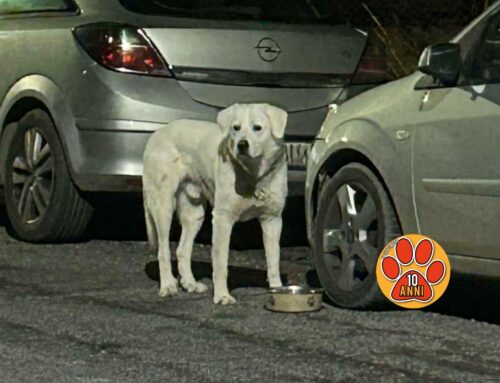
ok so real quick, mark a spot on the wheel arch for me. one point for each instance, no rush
(21, 107)
(336, 161)
(39, 92)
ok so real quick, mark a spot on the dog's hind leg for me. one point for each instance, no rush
(191, 214)
(151, 229)
(162, 217)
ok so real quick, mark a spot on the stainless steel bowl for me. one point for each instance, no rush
(294, 299)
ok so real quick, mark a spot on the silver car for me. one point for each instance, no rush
(418, 155)
(85, 82)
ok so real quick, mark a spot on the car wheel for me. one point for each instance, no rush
(355, 220)
(42, 203)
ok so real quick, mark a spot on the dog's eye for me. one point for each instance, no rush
(237, 128)
(257, 128)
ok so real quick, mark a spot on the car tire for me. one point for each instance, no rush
(42, 203)
(355, 220)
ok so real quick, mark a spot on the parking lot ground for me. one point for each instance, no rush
(90, 312)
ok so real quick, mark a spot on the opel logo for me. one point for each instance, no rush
(268, 49)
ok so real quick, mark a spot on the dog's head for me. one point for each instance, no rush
(252, 128)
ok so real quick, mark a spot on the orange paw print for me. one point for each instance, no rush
(413, 270)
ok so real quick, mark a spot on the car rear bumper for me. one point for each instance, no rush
(133, 184)
(116, 113)
(112, 160)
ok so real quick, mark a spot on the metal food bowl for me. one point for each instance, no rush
(294, 299)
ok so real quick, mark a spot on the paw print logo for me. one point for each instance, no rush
(413, 271)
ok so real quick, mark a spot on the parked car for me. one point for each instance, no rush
(85, 82)
(418, 155)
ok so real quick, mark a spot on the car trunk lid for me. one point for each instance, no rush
(321, 58)
(318, 57)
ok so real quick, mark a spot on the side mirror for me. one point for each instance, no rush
(442, 62)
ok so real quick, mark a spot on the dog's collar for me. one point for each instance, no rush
(247, 178)
(276, 159)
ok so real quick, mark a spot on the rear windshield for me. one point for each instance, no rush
(283, 11)
(357, 13)
(8, 7)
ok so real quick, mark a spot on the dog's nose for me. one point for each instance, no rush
(243, 146)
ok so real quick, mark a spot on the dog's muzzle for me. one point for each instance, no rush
(243, 147)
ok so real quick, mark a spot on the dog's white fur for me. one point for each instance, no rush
(189, 162)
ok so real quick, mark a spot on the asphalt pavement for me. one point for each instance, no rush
(90, 312)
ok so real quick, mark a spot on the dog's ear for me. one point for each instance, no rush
(278, 118)
(225, 118)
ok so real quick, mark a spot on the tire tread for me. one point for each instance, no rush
(72, 213)
(375, 299)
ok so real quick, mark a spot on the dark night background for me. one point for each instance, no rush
(406, 27)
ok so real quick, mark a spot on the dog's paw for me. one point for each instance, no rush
(224, 300)
(262, 195)
(275, 284)
(169, 290)
(194, 287)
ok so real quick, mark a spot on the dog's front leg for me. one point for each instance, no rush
(222, 227)
(271, 231)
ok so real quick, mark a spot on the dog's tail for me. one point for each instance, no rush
(151, 230)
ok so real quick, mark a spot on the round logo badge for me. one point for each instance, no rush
(413, 271)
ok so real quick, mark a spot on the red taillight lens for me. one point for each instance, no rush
(121, 48)
(372, 68)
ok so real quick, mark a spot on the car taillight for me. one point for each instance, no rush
(372, 68)
(121, 48)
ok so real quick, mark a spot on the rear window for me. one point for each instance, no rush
(9, 7)
(358, 13)
(283, 11)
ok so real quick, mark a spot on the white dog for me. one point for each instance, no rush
(239, 166)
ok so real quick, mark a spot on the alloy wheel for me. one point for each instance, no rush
(351, 238)
(33, 176)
